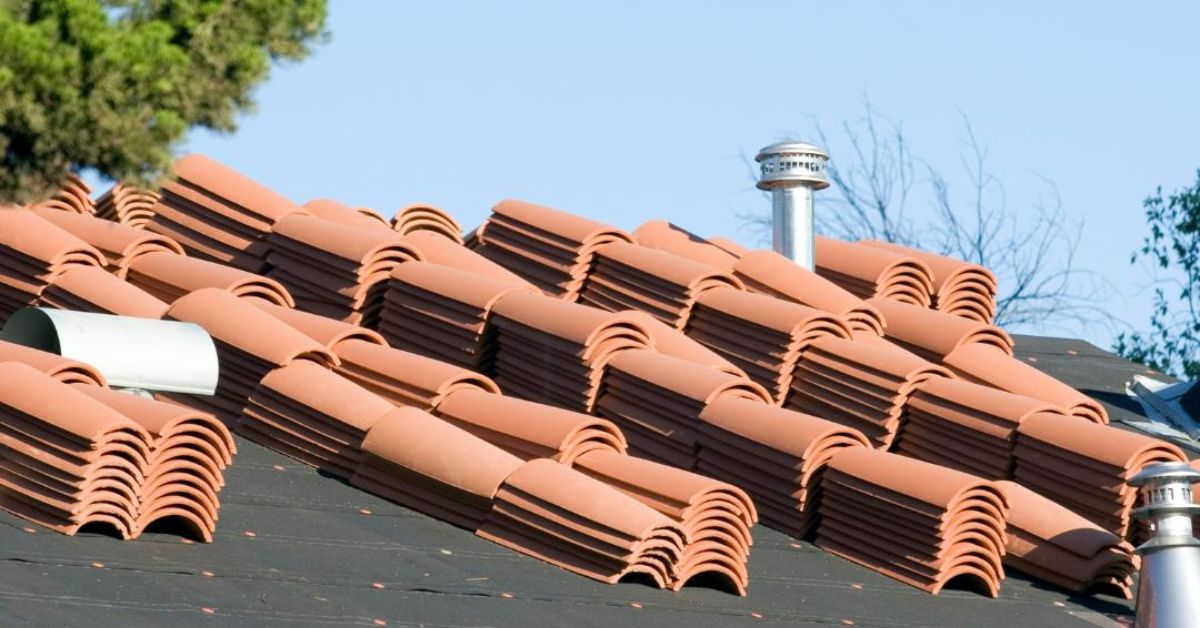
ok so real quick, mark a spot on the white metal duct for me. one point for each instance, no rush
(145, 353)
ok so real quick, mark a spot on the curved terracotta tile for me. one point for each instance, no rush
(327, 331)
(119, 243)
(437, 249)
(412, 219)
(92, 289)
(65, 370)
(670, 341)
(42, 246)
(237, 323)
(664, 236)
(127, 205)
(953, 280)
(551, 512)
(406, 378)
(872, 272)
(1054, 544)
(934, 335)
(987, 365)
(558, 223)
(224, 182)
(332, 210)
(360, 246)
(169, 276)
(529, 430)
(73, 196)
(770, 273)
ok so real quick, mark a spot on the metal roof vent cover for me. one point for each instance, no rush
(132, 353)
(791, 171)
(1169, 583)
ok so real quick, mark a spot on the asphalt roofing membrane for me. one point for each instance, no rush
(298, 548)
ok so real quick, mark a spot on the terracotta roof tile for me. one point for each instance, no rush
(327, 331)
(74, 196)
(127, 205)
(872, 272)
(336, 270)
(421, 461)
(444, 313)
(552, 512)
(413, 219)
(656, 400)
(438, 249)
(777, 456)
(716, 516)
(959, 288)
(627, 276)
(935, 335)
(33, 251)
(334, 211)
(966, 426)
(768, 272)
(65, 370)
(527, 429)
(761, 335)
(168, 277)
(404, 378)
(550, 248)
(862, 385)
(670, 341)
(988, 365)
(92, 289)
(555, 352)
(1051, 543)
(1083, 466)
(664, 236)
(919, 523)
(120, 244)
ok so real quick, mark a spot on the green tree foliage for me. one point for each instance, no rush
(113, 85)
(1173, 343)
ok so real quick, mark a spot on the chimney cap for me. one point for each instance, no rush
(791, 163)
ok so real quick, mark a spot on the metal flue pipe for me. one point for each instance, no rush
(1169, 582)
(792, 171)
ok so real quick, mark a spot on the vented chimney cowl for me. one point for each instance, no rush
(792, 171)
(1169, 581)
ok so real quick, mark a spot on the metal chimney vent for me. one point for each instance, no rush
(1169, 584)
(792, 171)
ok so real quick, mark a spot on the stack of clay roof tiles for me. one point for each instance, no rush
(777, 456)
(218, 214)
(62, 369)
(307, 412)
(555, 352)
(438, 249)
(33, 253)
(127, 205)
(250, 343)
(327, 331)
(664, 236)
(527, 429)
(404, 378)
(334, 211)
(934, 335)
(1051, 543)
(334, 269)
(120, 244)
(188, 454)
(630, 277)
(960, 288)
(863, 385)
(74, 196)
(1083, 466)
(670, 341)
(550, 248)
(716, 516)
(91, 289)
(965, 426)
(444, 313)
(872, 272)
(656, 400)
(413, 219)
(433, 467)
(581, 524)
(169, 276)
(75, 455)
(761, 335)
(768, 272)
(986, 364)
(917, 522)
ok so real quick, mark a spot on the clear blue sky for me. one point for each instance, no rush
(624, 111)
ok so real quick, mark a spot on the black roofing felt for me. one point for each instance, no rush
(295, 548)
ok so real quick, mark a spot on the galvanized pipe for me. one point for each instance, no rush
(1169, 583)
(792, 171)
